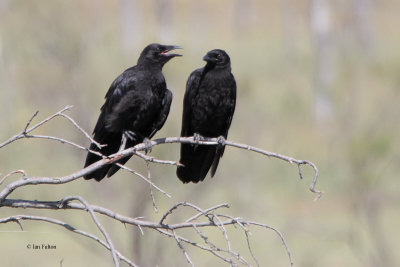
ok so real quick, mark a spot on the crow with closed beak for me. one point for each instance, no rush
(208, 107)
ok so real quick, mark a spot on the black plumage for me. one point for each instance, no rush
(208, 107)
(137, 105)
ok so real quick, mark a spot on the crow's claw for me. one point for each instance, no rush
(147, 145)
(197, 138)
(123, 143)
(221, 140)
(131, 135)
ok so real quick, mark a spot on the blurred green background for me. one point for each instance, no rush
(317, 80)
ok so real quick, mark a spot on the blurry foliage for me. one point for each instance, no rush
(68, 52)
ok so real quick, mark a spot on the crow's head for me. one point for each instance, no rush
(158, 54)
(217, 57)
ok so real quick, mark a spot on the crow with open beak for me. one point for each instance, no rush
(136, 107)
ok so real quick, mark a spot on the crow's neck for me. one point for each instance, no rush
(211, 66)
(150, 66)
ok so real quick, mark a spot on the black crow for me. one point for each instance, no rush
(137, 105)
(208, 107)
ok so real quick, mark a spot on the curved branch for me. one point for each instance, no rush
(141, 147)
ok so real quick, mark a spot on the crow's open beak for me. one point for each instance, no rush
(170, 48)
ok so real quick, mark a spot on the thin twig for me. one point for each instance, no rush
(63, 141)
(207, 211)
(278, 233)
(216, 249)
(144, 178)
(247, 233)
(26, 131)
(81, 130)
(224, 232)
(12, 173)
(158, 161)
(29, 121)
(212, 251)
(177, 205)
(69, 107)
(151, 188)
(182, 248)
(169, 211)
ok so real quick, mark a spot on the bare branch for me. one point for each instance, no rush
(140, 147)
(214, 141)
(202, 218)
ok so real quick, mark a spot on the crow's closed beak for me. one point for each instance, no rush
(208, 58)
